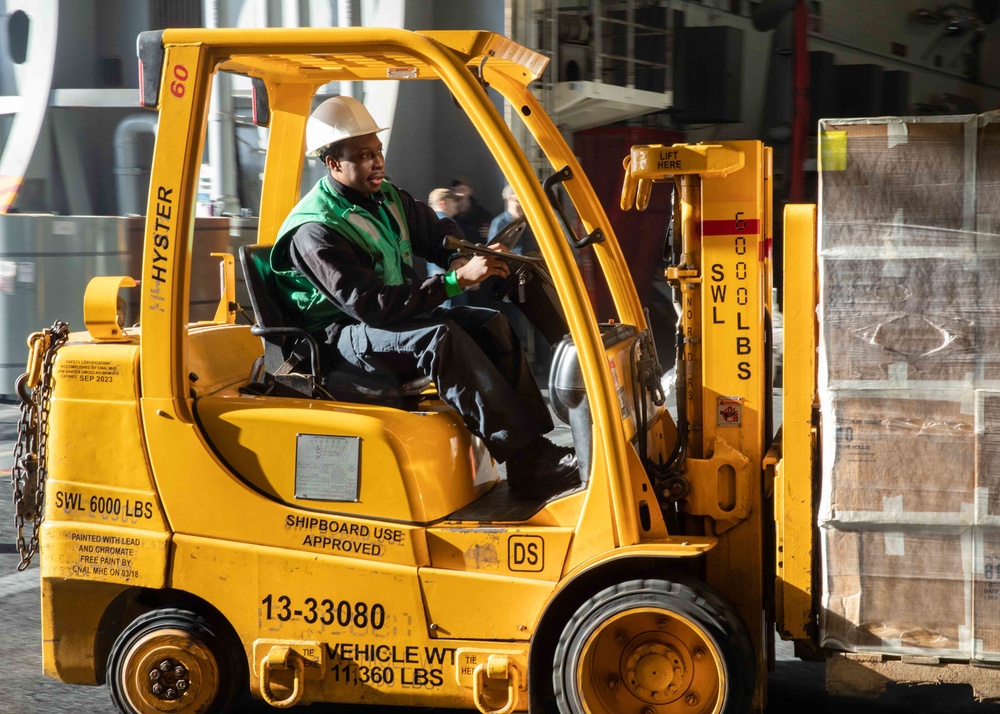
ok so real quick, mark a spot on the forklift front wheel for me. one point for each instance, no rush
(656, 646)
(171, 661)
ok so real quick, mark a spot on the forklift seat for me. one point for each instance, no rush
(287, 348)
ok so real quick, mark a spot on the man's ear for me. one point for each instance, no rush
(331, 163)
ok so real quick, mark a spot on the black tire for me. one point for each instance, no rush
(654, 645)
(213, 674)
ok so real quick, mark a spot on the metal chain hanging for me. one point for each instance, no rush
(27, 476)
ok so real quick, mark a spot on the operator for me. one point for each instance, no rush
(343, 262)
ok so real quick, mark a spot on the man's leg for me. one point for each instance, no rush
(485, 378)
(495, 334)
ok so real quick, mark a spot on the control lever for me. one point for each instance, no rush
(464, 246)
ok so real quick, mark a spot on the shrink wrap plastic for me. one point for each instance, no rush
(909, 377)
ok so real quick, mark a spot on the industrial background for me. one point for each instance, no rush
(75, 147)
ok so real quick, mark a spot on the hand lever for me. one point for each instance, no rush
(464, 246)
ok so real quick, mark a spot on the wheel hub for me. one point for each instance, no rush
(168, 680)
(647, 659)
(654, 672)
(168, 671)
(655, 668)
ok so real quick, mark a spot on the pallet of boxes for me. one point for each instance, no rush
(909, 378)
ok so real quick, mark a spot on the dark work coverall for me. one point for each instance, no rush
(472, 354)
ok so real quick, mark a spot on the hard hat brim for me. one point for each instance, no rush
(314, 154)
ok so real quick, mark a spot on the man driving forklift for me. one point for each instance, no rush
(343, 265)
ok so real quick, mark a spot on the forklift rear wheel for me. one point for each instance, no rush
(172, 661)
(654, 646)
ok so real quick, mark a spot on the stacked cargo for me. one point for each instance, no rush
(909, 358)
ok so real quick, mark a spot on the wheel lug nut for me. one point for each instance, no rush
(179, 671)
(157, 688)
(181, 684)
(699, 654)
(154, 674)
(165, 666)
(620, 636)
(613, 681)
(171, 693)
(691, 699)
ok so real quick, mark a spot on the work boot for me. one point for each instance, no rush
(543, 469)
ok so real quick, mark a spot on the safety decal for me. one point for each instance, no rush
(96, 371)
(729, 411)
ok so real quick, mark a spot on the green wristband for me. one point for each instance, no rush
(451, 287)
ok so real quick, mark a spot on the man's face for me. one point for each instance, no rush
(449, 206)
(463, 196)
(514, 207)
(361, 165)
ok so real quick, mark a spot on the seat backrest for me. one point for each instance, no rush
(256, 263)
(346, 381)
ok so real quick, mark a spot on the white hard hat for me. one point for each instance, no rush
(336, 119)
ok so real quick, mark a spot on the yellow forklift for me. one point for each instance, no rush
(211, 529)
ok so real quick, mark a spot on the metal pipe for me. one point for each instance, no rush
(221, 128)
(598, 30)
(130, 190)
(345, 18)
(800, 113)
(630, 44)
(690, 231)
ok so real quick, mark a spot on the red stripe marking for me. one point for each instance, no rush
(764, 249)
(141, 102)
(750, 226)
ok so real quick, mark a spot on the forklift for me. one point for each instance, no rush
(209, 529)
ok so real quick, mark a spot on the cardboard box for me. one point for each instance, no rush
(897, 591)
(912, 590)
(986, 594)
(910, 386)
(898, 460)
(897, 183)
(988, 178)
(988, 457)
(900, 319)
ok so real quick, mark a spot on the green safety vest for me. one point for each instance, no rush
(388, 245)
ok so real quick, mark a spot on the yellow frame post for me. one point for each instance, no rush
(793, 497)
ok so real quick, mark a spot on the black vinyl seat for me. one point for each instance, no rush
(292, 360)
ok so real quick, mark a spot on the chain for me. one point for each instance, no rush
(27, 476)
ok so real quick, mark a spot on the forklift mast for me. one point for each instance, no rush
(722, 277)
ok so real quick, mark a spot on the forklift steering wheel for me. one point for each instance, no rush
(510, 234)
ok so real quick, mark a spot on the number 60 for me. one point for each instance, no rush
(177, 86)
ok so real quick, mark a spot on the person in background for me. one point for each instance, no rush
(512, 211)
(444, 202)
(473, 219)
(531, 338)
(445, 205)
(343, 265)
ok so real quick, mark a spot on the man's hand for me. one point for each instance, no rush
(479, 267)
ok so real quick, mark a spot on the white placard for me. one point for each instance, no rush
(25, 272)
(8, 271)
(327, 468)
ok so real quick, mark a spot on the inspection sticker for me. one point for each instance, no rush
(729, 411)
